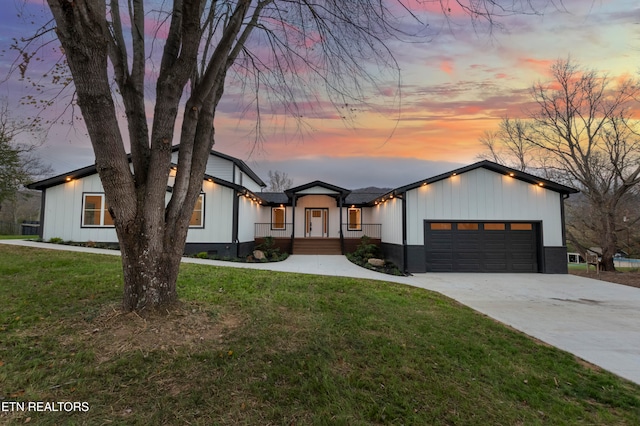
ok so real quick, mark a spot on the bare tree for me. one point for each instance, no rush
(19, 164)
(279, 181)
(287, 52)
(508, 145)
(584, 135)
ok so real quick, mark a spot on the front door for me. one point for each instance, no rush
(316, 225)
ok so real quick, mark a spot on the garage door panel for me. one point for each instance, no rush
(495, 267)
(467, 267)
(495, 246)
(487, 247)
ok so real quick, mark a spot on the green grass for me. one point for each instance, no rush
(583, 267)
(18, 237)
(278, 349)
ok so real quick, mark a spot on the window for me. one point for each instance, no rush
(467, 227)
(278, 218)
(494, 227)
(355, 219)
(441, 226)
(521, 227)
(95, 211)
(197, 217)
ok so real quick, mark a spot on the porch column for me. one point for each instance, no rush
(293, 220)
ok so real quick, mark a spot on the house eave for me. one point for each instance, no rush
(497, 168)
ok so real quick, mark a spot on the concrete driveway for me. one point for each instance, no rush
(594, 320)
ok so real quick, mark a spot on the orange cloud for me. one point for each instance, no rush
(540, 66)
(447, 66)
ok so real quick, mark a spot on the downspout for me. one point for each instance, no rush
(234, 223)
(564, 229)
(341, 234)
(293, 220)
(404, 233)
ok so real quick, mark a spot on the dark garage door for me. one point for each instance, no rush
(481, 246)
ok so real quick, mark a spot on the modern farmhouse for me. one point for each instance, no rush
(481, 218)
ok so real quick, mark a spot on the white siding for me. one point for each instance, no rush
(389, 214)
(63, 212)
(481, 194)
(247, 182)
(317, 190)
(218, 215)
(220, 168)
(249, 213)
(216, 166)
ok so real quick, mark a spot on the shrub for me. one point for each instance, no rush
(56, 240)
(202, 255)
(268, 247)
(366, 250)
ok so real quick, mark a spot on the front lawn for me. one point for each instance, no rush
(258, 347)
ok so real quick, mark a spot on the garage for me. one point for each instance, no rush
(481, 246)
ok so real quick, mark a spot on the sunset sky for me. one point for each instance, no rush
(454, 87)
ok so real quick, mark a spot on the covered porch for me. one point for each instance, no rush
(347, 240)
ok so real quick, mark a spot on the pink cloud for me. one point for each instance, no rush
(447, 66)
(541, 66)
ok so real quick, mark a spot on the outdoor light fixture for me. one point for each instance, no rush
(541, 184)
(68, 179)
(512, 174)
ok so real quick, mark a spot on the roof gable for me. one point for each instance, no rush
(496, 168)
(318, 187)
(90, 170)
(236, 161)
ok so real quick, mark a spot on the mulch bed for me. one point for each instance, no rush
(631, 279)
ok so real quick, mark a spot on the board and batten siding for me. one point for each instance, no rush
(63, 212)
(218, 215)
(249, 213)
(216, 166)
(389, 214)
(481, 194)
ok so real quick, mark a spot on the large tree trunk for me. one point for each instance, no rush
(150, 272)
(609, 241)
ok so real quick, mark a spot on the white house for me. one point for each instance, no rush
(481, 218)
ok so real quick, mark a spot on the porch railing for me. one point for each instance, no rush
(371, 230)
(262, 230)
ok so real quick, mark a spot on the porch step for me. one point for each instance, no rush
(316, 246)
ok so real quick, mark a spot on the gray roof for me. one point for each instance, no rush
(356, 197)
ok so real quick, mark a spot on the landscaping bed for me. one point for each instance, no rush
(629, 278)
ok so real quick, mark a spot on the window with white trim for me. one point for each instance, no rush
(355, 219)
(95, 211)
(197, 217)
